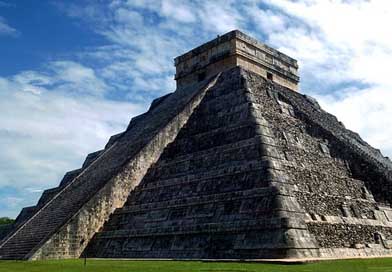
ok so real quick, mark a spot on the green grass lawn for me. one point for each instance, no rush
(382, 265)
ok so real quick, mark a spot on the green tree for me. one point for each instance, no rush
(6, 220)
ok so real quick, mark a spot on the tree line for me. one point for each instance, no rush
(6, 220)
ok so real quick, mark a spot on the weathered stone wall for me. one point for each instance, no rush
(208, 196)
(348, 235)
(201, 71)
(321, 161)
(262, 70)
(236, 49)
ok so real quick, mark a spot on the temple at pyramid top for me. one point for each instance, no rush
(236, 49)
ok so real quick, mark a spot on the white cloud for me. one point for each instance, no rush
(128, 17)
(267, 21)
(13, 202)
(365, 111)
(77, 78)
(68, 76)
(178, 10)
(43, 132)
(42, 136)
(352, 37)
(337, 43)
(6, 29)
(49, 123)
(219, 16)
(344, 51)
(34, 190)
(56, 115)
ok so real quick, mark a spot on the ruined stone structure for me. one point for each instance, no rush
(231, 50)
(234, 164)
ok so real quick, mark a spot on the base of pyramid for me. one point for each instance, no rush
(348, 254)
(285, 256)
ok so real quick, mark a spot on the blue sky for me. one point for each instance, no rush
(72, 73)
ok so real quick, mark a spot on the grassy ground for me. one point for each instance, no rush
(381, 265)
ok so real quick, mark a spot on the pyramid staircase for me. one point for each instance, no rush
(236, 166)
(66, 217)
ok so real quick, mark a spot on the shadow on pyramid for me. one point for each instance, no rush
(235, 164)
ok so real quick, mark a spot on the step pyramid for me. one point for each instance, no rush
(235, 164)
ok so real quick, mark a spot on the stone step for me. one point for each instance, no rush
(223, 146)
(252, 143)
(69, 176)
(91, 158)
(225, 211)
(216, 160)
(240, 180)
(202, 199)
(205, 175)
(213, 121)
(212, 138)
(224, 169)
(239, 226)
(192, 189)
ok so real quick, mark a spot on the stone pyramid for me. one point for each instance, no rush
(235, 164)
